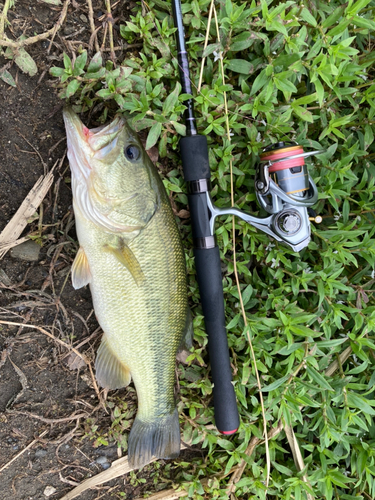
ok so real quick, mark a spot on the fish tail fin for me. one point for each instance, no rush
(156, 438)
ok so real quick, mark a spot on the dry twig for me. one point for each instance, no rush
(92, 26)
(6, 42)
(29, 206)
(119, 467)
(49, 420)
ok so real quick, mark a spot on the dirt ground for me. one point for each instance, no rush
(47, 398)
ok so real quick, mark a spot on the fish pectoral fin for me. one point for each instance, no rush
(110, 372)
(126, 257)
(81, 274)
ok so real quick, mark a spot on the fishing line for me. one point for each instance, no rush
(243, 312)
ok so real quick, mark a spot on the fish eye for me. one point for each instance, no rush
(132, 152)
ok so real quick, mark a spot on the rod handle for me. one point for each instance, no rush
(207, 262)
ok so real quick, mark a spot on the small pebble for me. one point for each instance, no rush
(83, 18)
(29, 250)
(48, 491)
(41, 453)
(4, 278)
(102, 460)
(68, 30)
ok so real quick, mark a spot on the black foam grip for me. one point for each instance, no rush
(207, 263)
(194, 156)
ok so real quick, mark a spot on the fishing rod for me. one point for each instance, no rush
(284, 189)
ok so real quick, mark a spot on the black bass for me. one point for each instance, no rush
(131, 256)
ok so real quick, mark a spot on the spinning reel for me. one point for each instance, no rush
(284, 189)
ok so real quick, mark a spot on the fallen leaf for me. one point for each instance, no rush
(7, 78)
(25, 62)
(74, 362)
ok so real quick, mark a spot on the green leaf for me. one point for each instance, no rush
(225, 444)
(241, 42)
(260, 81)
(307, 99)
(96, 63)
(171, 100)
(153, 135)
(80, 63)
(340, 28)
(319, 91)
(356, 7)
(309, 18)
(275, 384)
(233, 322)
(180, 128)
(72, 88)
(284, 85)
(359, 402)
(67, 62)
(302, 113)
(104, 93)
(56, 72)
(335, 16)
(240, 66)
(303, 331)
(369, 136)
(318, 379)
(330, 343)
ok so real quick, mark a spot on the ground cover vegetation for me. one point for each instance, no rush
(301, 71)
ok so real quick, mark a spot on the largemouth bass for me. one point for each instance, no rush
(131, 256)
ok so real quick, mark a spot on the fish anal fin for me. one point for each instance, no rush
(81, 274)
(110, 372)
(125, 256)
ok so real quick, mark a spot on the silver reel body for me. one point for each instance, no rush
(289, 221)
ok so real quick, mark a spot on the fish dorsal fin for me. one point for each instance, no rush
(110, 372)
(124, 254)
(81, 274)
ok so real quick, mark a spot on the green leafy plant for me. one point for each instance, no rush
(301, 71)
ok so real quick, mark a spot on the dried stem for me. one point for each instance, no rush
(253, 358)
(92, 25)
(205, 45)
(3, 17)
(110, 30)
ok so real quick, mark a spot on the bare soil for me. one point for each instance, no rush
(47, 397)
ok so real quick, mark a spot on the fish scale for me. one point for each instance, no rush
(137, 278)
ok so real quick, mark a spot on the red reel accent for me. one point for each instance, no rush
(284, 153)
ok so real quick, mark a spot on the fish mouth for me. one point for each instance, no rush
(85, 144)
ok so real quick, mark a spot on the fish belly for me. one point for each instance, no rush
(144, 324)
